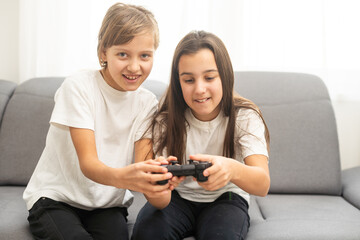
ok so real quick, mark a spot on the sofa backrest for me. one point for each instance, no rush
(304, 151)
(26, 122)
(24, 128)
(6, 90)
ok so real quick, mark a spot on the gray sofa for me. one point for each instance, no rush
(310, 197)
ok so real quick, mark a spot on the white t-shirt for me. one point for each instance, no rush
(208, 138)
(118, 119)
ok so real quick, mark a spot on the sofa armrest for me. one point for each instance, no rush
(351, 185)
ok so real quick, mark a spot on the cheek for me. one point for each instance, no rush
(115, 66)
(186, 91)
(219, 90)
(147, 67)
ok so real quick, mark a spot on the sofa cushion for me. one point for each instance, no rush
(304, 151)
(13, 223)
(304, 217)
(351, 185)
(24, 127)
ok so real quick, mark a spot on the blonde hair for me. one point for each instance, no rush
(122, 22)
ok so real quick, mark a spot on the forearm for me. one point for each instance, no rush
(135, 176)
(90, 165)
(253, 179)
(100, 173)
(161, 202)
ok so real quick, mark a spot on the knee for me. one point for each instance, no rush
(148, 227)
(151, 225)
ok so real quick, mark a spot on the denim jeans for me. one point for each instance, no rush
(50, 219)
(225, 218)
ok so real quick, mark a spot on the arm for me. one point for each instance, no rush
(253, 176)
(135, 177)
(143, 151)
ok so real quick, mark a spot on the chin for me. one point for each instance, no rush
(132, 88)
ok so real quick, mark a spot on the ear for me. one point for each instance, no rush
(103, 55)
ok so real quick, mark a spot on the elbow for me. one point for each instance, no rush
(263, 193)
(85, 171)
(265, 187)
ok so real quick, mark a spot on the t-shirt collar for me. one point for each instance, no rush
(203, 124)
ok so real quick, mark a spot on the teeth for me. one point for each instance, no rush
(202, 100)
(131, 78)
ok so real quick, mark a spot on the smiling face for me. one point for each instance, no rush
(201, 84)
(129, 64)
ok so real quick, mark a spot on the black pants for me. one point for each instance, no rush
(53, 220)
(225, 218)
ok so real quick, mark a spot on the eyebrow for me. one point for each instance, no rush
(126, 50)
(207, 71)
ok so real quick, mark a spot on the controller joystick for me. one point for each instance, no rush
(173, 162)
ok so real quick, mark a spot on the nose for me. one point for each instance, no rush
(200, 86)
(133, 65)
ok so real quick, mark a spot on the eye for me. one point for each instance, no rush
(211, 76)
(145, 56)
(188, 80)
(122, 54)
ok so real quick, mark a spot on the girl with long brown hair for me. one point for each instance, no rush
(202, 119)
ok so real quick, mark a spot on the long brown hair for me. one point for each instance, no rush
(169, 124)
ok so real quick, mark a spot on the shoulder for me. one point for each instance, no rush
(249, 120)
(146, 93)
(80, 85)
(81, 80)
(145, 97)
(244, 113)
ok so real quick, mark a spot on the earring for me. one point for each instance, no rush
(103, 63)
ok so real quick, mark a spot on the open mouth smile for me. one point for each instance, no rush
(131, 77)
(202, 100)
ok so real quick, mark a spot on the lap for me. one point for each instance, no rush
(225, 218)
(176, 221)
(50, 219)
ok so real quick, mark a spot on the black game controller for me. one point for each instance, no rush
(194, 169)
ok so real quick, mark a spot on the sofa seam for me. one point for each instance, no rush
(291, 103)
(261, 212)
(32, 94)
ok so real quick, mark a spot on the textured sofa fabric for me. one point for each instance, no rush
(305, 200)
(310, 197)
(6, 90)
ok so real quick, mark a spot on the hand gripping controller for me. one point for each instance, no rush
(194, 169)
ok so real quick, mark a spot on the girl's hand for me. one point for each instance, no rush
(162, 160)
(219, 174)
(140, 177)
(175, 180)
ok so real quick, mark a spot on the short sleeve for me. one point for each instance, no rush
(146, 115)
(251, 133)
(74, 105)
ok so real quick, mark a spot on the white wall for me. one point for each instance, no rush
(347, 115)
(347, 112)
(9, 40)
